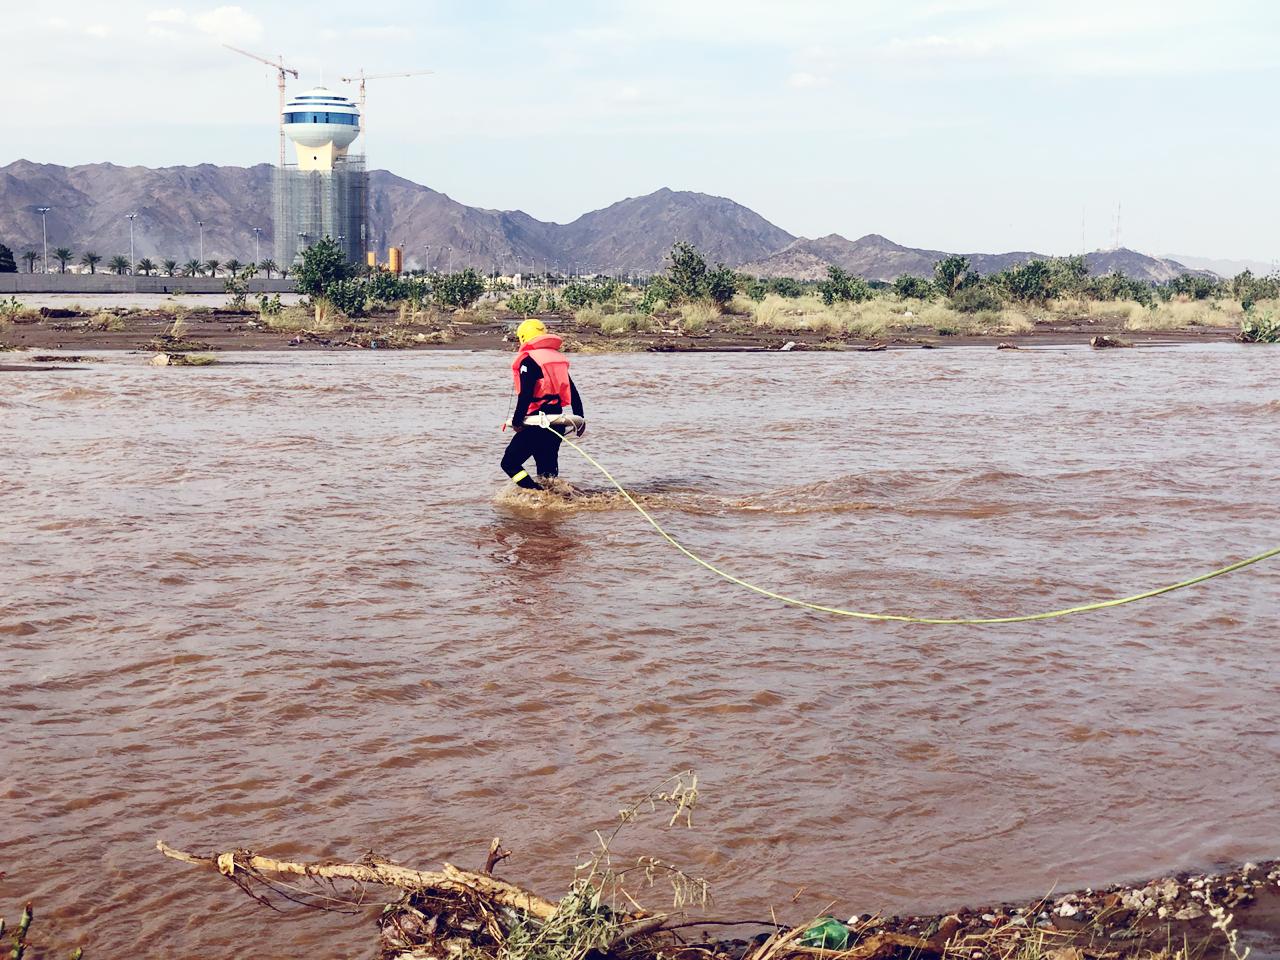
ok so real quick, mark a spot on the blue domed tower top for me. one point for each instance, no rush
(322, 125)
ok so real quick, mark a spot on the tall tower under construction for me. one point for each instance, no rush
(325, 192)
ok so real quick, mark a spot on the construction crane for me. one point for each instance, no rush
(279, 66)
(364, 123)
(381, 76)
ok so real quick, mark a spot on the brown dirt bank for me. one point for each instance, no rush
(458, 913)
(219, 330)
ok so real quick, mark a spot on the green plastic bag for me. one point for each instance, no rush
(827, 933)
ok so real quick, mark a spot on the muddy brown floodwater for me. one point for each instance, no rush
(279, 603)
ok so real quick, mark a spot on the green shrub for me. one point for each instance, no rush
(658, 293)
(976, 297)
(1030, 282)
(236, 288)
(461, 289)
(786, 287)
(1260, 329)
(949, 273)
(584, 293)
(908, 287)
(323, 264)
(1197, 288)
(688, 272)
(721, 285)
(526, 304)
(351, 296)
(844, 287)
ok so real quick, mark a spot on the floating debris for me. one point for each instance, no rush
(1101, 342)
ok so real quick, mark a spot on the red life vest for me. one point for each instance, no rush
(554, 385)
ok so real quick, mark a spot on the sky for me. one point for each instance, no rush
(963, 125)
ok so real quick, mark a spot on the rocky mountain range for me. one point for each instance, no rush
(874, 257)
(89, 203)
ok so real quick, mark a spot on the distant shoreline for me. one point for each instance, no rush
(220, 330)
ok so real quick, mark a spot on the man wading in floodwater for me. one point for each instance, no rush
(543, 385)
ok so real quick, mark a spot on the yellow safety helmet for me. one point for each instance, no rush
(530, 329)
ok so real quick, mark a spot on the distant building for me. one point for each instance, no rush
(325, 193)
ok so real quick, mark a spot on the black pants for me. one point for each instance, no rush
(537, 442)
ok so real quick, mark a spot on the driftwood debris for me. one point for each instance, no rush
(453, 913)
(445, 913)
(449, 880)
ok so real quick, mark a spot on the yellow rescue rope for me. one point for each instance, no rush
(900, 618)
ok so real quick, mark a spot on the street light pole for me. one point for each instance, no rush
(131, 217)
(44, 228)
(256, 232)
(200, 224)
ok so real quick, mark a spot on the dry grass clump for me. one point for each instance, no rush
(868, 320)
(409, 315)
(983, 323)
(622, 323)
(621, 345)
(105, 321)
(769, 312)
(1094, 310)
(591, 316)
(1179, 314)
(1014, 321)
(321, 317)
(484, 311)
(696, 317)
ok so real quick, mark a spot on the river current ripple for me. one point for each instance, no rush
(281, 603)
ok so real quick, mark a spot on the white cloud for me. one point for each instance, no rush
(803, 80)
(386, 32)
(229, 24)
(934, 46)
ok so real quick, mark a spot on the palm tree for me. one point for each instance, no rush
(269, 266)
(145, 266)
(91, 260)
(234, 267)
(192, 268)
(284, 272)
(169, 267)
(212, 266)
(62, 255)
(118, 265)
(30, 258)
